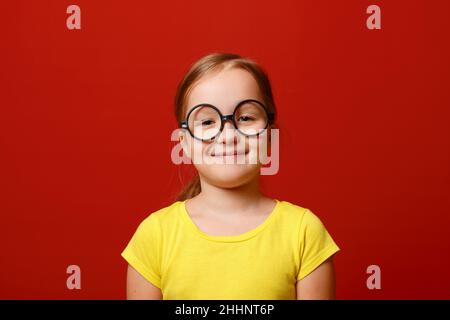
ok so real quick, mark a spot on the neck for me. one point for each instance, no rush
(229, 200)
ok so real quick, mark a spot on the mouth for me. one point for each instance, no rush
(229, 153)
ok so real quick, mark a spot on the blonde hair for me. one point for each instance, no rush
(203, 66)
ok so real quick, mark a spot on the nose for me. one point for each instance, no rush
(228, 134)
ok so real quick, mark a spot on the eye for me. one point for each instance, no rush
(245, 118)
(207, 122)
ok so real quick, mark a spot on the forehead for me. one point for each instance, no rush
(224, 89)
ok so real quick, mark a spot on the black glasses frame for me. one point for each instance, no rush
(270, 117)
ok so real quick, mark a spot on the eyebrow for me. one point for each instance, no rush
(217, 105)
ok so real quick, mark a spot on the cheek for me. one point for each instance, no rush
(253, 148)
(198, 149)
(258, 149)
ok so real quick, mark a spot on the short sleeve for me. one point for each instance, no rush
(316, 244)
(143, 250)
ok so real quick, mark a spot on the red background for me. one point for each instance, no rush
(86, 117)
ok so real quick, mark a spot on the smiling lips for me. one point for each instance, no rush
(229, 153)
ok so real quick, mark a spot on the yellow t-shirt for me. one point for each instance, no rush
(171, 252)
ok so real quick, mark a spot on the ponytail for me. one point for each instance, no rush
(192, 189)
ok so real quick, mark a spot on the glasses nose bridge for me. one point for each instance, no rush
(227, 117)
(224, 119)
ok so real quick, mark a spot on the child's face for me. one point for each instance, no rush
(224, 89)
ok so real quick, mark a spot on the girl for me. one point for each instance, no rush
(222, 238)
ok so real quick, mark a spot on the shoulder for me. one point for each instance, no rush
(160, 217)
(301, 214)
(292, 210)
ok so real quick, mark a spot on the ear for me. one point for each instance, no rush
(185, 142)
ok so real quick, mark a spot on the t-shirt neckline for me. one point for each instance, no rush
(240, 237)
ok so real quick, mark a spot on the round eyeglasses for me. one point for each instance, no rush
(205, 121)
